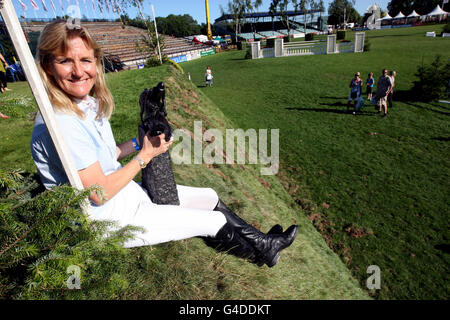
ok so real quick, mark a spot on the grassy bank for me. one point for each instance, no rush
(188, 269)
(376, 188)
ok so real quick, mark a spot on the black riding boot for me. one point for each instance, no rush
(267, 247)
(231, 242)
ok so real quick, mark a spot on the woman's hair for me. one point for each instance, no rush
(393, 73)
(54, 41)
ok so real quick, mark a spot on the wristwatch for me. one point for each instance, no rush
(141, 162)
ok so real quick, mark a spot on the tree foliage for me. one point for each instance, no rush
(422, 7)
(433, 80)
(42, 235)
(336, 11)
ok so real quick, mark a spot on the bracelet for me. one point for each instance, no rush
(135, 145)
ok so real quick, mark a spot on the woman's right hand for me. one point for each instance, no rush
(153, 147)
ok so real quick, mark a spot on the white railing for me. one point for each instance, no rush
(345, 47)
(268, 52)
(305, 50)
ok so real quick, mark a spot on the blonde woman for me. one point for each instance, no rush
(69, 63)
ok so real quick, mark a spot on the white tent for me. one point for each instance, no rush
(413, 14)
(399, 16)
(387, 17)
(437, 12)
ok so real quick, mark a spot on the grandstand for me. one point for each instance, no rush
(115, 39)
(264, 25)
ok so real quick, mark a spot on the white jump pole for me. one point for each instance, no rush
(37, 87)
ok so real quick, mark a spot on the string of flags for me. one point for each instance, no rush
(113, 4)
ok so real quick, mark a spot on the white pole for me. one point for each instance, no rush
(157, 39)
(37, 87)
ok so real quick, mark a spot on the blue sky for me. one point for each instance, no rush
(196, 8)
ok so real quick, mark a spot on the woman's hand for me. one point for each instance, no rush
(153, 147)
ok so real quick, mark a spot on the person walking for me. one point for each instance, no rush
(208, 77)
(355, 91)
(392, 76)
(370, 82)
(384, 86)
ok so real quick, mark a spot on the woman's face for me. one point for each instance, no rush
(75, 72)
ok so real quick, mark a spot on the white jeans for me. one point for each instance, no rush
(163, 223)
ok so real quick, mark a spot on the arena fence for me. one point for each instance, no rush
(328, 46)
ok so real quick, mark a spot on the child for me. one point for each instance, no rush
(369, 86)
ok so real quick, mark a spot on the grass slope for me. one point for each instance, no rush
(188, 269)
(376, 188)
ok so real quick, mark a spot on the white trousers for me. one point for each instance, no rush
(163, 223)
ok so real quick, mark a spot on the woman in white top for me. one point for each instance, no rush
(69, 64)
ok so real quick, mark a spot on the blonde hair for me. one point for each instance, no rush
(54, 41)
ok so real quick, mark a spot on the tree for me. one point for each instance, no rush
(237, 9)
(336, 11)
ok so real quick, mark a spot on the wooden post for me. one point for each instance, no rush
(37, 87)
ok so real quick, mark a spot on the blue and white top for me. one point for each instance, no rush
(89, 140)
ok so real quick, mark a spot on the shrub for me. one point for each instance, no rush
(248, 54)
(446, 28)
(340, 35)
(366, 45)
(433, 80)
(309, 37)
(44, 236)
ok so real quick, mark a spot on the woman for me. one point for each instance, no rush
(69, 64)
(355, 91)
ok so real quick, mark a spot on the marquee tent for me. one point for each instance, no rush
(437, 12)
(399, 16)
(413, 14)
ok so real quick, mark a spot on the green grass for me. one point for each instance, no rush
(188, 269)
(386, 178)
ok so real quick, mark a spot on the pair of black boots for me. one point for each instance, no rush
(239, 238)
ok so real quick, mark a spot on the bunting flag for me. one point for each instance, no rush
(93, 5)
(112, 6)
(24, 7)
(34, 5)
(99, 6)
(53, 5)
(44, 6)
(119, 9)
(62, 7)
(107, 7)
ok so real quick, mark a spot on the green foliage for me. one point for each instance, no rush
(309, 37)
(434, 80)
(336, 12)
(366, 45)
(446, 28)
(248, 53)
(340, 35)
(42, 235)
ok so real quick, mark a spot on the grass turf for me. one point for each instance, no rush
(188, 269)
(376, 188)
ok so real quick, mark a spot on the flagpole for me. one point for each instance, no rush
(157, 39)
